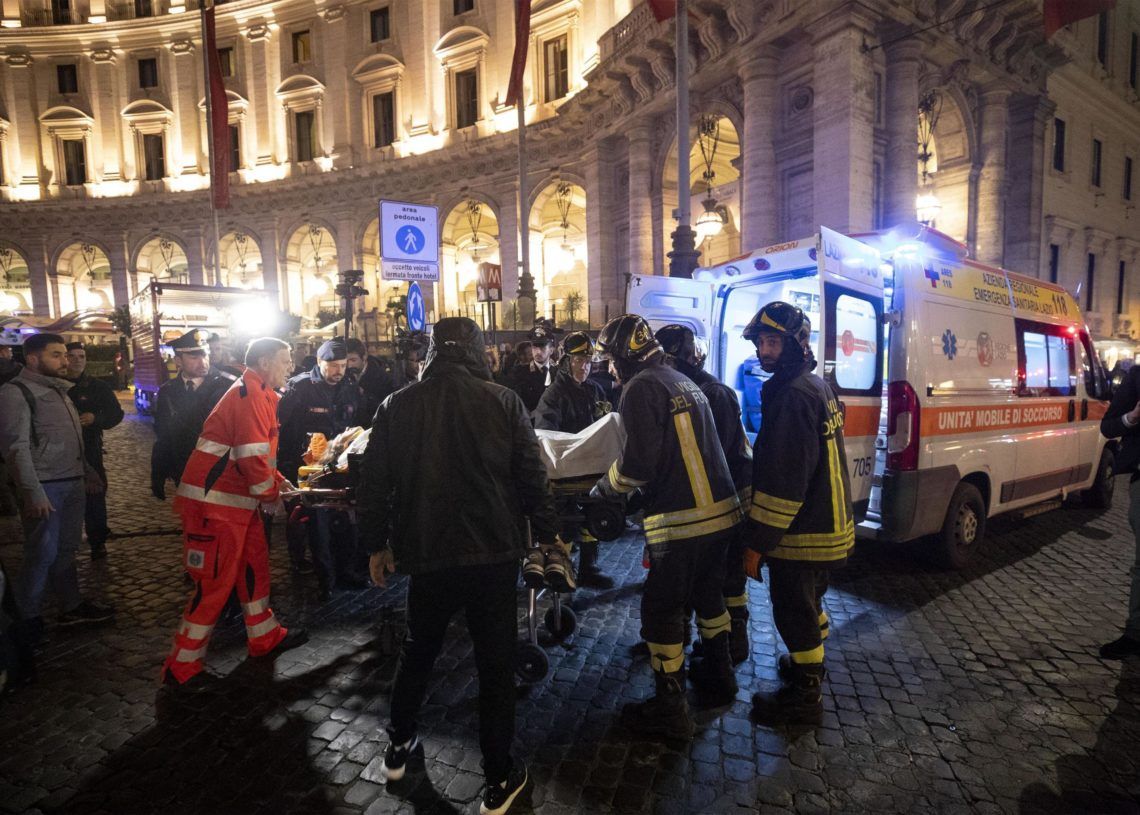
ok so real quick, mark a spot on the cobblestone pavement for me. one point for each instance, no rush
(971, 692)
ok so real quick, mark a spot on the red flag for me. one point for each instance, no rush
(518, 63)
(219, 117)
(1060, 13)
(663, 9)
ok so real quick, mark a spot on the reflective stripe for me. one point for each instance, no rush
(262, 628)
(736, 601)
(190, 656)
(194, 631)
(260, 448)
(671, 533)
(694, 461)
(262, 487)
(224, 499)
(745, 496)
(214, 448)
(666, 657)
(622, 483)
(763, 499)
(812, 657)
(818, 547)
(823, 619)
(770, 518)
(837, 514)
(715, 626)
(256, 606)
(688, 516)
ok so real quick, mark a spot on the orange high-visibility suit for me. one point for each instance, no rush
(233, 468)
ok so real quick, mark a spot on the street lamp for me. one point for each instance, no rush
(710, 222)
(926, 205)
(563, 199)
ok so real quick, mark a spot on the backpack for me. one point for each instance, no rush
(31, 400)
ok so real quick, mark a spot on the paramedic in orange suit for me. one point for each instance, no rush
(230, 475)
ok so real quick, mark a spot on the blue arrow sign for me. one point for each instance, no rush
(415, 308)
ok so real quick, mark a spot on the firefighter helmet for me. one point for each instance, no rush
(780, 318)
(578, 343)
(627, 338)
(680, 342)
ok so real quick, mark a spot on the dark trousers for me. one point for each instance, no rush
(95, 512)
(486, 595)
(735, 582)
(332, 540)
(797, 591)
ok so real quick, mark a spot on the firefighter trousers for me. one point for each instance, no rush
(221, 555)
(797, 591)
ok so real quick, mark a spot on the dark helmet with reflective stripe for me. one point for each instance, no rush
(627, 338)
(578, 343)
(780, 318)
(679, 342)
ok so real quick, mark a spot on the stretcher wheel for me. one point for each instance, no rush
(605, 520)
(531, 663)
(566, 624)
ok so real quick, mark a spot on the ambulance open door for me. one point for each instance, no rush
(666, 300)
(851, 340)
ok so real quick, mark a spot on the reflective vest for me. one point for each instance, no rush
(234, 464)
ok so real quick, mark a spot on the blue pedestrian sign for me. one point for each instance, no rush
(409, 241)
(416, 313)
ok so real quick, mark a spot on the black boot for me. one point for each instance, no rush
(738, 637)
(797, 703)
(786, 668)
(713, 676)
(664, 714)
(589, 574)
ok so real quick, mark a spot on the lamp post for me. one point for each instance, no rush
(683, 257)
(927, 205)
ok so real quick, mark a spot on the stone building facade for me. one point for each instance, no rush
(804, 113)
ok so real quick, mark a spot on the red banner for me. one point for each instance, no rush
(663, 9)
(219, 117)
(1060, 13)
(518, 63)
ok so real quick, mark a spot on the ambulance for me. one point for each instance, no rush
(967, 391)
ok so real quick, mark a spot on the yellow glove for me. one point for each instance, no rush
(752, 563)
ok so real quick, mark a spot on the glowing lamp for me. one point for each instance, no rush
(927, 206)
(710, 222)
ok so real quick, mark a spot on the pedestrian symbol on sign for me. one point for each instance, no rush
(410, 239)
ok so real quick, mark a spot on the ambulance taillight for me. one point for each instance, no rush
(902, 426)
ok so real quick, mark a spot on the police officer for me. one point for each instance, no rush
(691, 512)
(181, 408)
(98, 411)
(571, 404)
(531, 379)
(323, 400)
(800, 519)
(686, 355)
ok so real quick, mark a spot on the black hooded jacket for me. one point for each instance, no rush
(452, 465)
(569, 406)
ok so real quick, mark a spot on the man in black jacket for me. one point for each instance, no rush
(376, 377)
(688, 357)
(532, 377)
(451, 466)
(1122, 420)
(98, 411)
(571, 404)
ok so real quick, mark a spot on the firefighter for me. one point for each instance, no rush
(691, 510)
(181, 408)
(800, 520)
(571, 404)
(685, 352)
(532, 377)
(228, 477)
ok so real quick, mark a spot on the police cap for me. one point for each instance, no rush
(74, 346)
(192, 341)
(331, 350)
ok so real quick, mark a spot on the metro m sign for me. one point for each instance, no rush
(489, 285)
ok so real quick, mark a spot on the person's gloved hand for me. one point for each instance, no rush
(752, 562)
(158, 487)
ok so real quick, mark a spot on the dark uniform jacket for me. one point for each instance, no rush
(1112, 426)
(568, 406)
(726, 413)
(377, 381)
(178, 418)
(529, 382)
(96, 397)
(311, 405)
(672, 452)
(801, 494)
(451, 467)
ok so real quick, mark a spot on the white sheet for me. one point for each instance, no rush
(591, 452)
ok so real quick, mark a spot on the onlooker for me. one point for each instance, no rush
(1122, 420)
(375, 376)
(42, 440)
(98, 411)
(8, 366)
(530, 380)
(222, 358)
(451, 463)
(181, 409)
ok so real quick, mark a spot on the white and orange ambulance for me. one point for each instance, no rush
(992, 392)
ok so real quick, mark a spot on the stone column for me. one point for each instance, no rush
(107, 163)
(342, 90)
(994, 114)
(600, 250)
(264, 126)
(760, 221)
(509, 242)
(900, 173)
(843, 124)
(640, 137)
(272, 276)
(195, 263)
(24, 149)
(1028, 124)
(42, 299)
(117, 257)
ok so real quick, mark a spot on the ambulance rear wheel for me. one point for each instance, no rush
(1099, 495)
(531, 663)
(963, 529)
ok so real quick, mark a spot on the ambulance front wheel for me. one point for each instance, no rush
(963, 529)
(1099, 495)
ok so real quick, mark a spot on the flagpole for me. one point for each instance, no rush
(683, 257)
(525, 278)
(206, 4)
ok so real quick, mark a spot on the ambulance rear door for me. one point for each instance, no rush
(851, 340)
(667, 300)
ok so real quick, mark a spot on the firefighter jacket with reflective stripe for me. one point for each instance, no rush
(726, 413)
(672, 452)
(234, 464)
(801, 494)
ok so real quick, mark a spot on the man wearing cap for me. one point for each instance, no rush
(222, 359)
(376, 376)
(323, 400)
(181, 409)
(98, 411)
(530, 381)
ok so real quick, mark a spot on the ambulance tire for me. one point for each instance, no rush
(963, 530)
(1099, 495)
